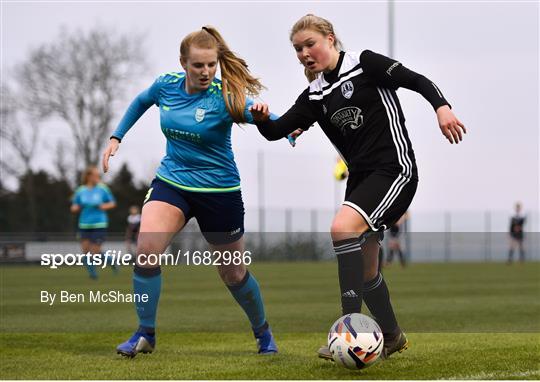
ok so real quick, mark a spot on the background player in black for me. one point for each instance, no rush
(132, 228)
(394, 242)
(516, 234)
(352, 97)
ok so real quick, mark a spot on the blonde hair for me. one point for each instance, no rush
(235, 76)
(317, 24)
(86, 173)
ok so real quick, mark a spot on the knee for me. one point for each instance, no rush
(341, 229)
(147, 253)
(232, 276)
(151, 242)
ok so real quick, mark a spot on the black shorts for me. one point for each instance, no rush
(394, 231)
(220, 214)
(517, 236)
(380, 196)
(94, 235)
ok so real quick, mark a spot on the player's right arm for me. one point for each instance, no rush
(135, 110)
(300, 116)
(75, 202)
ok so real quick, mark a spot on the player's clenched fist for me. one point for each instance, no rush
(260, 112)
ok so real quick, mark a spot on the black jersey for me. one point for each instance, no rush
(516, 226)
(357, 108)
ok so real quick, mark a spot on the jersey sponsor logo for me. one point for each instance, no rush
(392, 67)
(199, 114)
(348, 118)
(183, 135)
(347, 89)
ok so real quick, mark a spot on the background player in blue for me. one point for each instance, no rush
(353, 98)
(92, 199)
(197, 177)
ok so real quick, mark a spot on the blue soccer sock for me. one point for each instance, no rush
(248, 295)
(91, 268)
(109, 261)
(147, 281)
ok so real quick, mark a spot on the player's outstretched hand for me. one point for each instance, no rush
(111, 149)
(293, 136)
(260, 112)
(450, 126)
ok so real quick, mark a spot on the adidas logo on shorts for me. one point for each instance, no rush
(234, 232)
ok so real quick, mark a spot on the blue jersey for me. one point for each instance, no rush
(197, 126)
(89, 199)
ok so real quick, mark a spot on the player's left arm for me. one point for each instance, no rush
(392, 74)
(249, 118)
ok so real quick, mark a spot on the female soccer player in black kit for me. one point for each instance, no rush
(353, 98)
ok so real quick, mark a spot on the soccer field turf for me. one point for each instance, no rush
(464, 321)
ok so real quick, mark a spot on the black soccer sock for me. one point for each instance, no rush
(390, 257)
(401, 257)
(351, 274)
(377, 299)
(522, 255)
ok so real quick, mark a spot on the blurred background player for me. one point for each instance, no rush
(92, 200)
(352, 96)
(516, 234)
(341, 172)
(394, 242)
(198, 176)
(132, 229)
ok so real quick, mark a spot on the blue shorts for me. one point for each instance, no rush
(95, 235)
(220, 214)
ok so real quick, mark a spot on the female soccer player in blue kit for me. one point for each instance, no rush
(353, 98)
(92, 200)
(197, 177)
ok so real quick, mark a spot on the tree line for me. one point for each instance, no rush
(68, 88)
(46, 209)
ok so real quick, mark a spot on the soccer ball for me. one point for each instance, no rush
(355, 341)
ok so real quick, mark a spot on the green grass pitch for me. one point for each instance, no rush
(464, 321)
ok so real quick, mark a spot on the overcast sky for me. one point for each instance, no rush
(483, 55)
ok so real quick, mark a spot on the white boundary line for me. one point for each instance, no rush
(497, 375)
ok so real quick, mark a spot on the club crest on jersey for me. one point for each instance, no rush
(199, 114)
(348, 118)
(347, 89)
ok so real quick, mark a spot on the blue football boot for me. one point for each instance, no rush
(139, 342)
(265, 340)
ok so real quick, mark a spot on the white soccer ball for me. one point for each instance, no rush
(355, 341)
